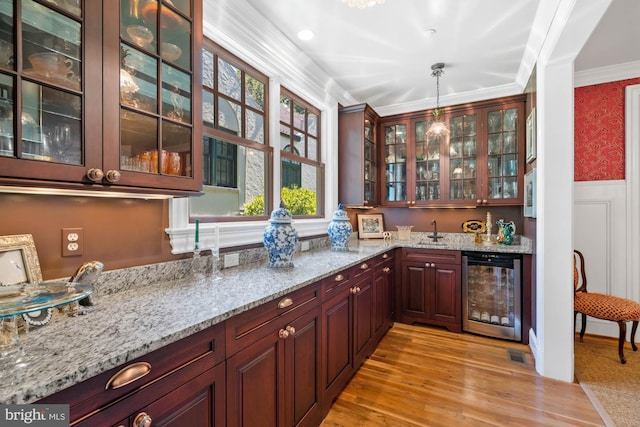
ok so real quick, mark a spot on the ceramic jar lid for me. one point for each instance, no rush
(340, 214)
(281, 215)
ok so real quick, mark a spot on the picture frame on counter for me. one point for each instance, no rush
(370, 226)
(530, 194)
(19, 265)
(19, 260)
(531, 136)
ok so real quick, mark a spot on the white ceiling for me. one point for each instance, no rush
(380, 55)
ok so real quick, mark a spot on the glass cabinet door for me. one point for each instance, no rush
(428, 163)
(502, 151)
(462, 157)
(47, 87)
(370, 168)
(156, 84)
(395, 162)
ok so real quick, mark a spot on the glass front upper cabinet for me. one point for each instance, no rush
(395, 162)
(462, 158)
(370, 168)
(48, 85)
(156, 82)
(428, 157)
(503, 157)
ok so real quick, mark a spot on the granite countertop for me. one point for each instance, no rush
(137, 319)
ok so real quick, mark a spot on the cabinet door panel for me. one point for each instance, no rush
(363, 319)
(337, 362)
(445, 298)
(198, 403)
(415, 288)
(255, 384)
(303, 365)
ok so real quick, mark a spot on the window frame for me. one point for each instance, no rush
(216, 132)
(291, 154)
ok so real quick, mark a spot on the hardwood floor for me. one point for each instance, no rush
(424, 376)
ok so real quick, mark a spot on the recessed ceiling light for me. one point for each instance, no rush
(305, 35)
(430, 32)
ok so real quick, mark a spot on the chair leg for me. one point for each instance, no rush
(621, 340)
(584, 325)
(634, 327)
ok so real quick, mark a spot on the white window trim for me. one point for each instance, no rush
(245, 33)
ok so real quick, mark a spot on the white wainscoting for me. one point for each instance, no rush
(600, 233)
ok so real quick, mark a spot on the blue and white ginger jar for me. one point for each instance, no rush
(280, 239)
(340, 231)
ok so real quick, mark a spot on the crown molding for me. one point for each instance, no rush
(239, 28)
(452, 99)
(610, 73)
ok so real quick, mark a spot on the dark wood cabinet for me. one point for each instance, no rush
(347, 327)
(357, 156)
(108, 96)
(383, 294)
(479, 163)
(431, 288)
(273, 379)
(180, 384)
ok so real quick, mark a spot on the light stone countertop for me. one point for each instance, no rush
(137, 319)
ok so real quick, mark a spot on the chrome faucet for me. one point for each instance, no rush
(434, 236)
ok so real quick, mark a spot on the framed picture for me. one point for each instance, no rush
(531, 136)
(530, 194)
(370, 226)
(19, 260)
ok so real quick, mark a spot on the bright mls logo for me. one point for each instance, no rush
(34, 415)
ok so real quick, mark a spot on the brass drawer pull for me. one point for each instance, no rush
(142, 420)
(285, 302)
(128, 375)
(339, 278)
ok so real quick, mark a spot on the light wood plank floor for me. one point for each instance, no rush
(424, 376)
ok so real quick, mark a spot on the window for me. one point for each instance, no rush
(302, 171)
(236, 172)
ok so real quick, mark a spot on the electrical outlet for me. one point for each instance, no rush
(231, 260)
(304, 245)
(72, 242)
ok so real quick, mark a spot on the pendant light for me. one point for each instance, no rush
(438, 128)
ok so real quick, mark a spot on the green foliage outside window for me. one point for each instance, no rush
(299, 201)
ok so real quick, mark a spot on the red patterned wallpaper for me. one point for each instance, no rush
(599, 131)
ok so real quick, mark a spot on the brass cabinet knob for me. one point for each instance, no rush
(353, 290)
(291, 330)
(433, 265)
(142, 420)
(385, 256)
(364, 266)
(283, 333)
(95, 174)
(386, 269)
(478, 201)
(339, 278)
(113, 176)
(426, 264)
(357, 289)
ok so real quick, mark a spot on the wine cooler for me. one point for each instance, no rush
(492, 294)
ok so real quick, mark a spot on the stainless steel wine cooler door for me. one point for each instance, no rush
(491, 294)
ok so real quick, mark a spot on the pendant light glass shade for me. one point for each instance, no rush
(438, 127)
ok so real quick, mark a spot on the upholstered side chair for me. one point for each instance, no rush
(602, 306)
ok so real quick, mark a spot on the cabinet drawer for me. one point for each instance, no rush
(362, 268)
(335, 283)
(432, 255)
(247, 327)
(205, 348)
(383, 258)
